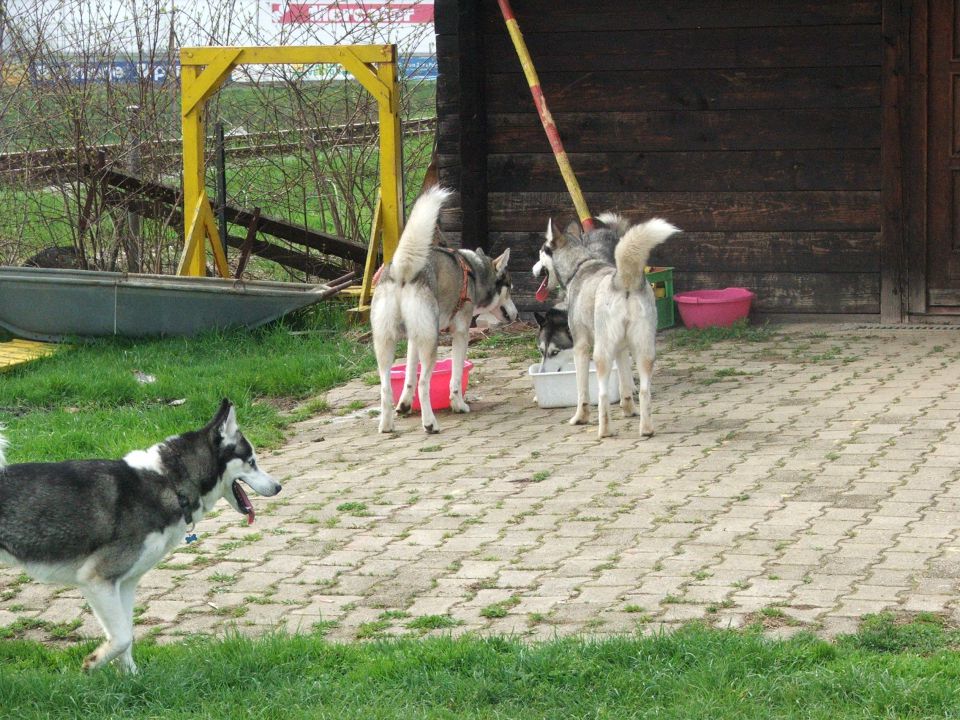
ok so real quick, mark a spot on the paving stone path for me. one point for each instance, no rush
(802, 481)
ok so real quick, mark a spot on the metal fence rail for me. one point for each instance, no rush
(35, 165)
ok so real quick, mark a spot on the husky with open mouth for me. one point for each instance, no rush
(101, 524)
(611, 307)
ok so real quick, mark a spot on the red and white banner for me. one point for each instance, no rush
(352, 13)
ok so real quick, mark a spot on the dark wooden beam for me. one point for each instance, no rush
(297, 234)
(894, 147)
(473, 126)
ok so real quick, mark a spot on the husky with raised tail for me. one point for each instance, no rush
(101, 524)
(611, 307)
(426, 289)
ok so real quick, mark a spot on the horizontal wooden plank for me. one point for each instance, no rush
(703, 47)
(803, 252)
(577, 16)
(698, 89)
(836, 293)
(943, 296)
(795, 292)
(757, 129)
(853, 293)
(692, 171)
(701, 212)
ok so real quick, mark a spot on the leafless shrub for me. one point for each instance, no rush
(91, 85)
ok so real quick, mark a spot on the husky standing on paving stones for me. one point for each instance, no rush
(423, 290)
(102, 524)
(553, 337)
(611, 307)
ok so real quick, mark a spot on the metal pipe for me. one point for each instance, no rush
(573, 187)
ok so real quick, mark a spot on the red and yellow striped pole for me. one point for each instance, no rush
(573, 187)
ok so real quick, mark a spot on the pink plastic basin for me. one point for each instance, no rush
(713, 308)
(439, 383)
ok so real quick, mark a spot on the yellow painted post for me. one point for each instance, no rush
(373, 255)
(391, 159)
(198, 81)
(192, 261)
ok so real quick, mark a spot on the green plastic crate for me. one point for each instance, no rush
(662, 278)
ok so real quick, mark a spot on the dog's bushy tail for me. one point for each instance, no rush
(634, 248)
(615, 222)
(413, 250)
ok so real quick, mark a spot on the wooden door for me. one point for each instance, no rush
(943, 157)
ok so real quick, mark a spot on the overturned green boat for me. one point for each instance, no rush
(58, 305)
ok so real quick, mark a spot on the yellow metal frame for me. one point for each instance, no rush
(205, 69)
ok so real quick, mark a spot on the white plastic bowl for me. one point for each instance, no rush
(559, 388)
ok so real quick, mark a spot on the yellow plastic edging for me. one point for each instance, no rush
(18, 352)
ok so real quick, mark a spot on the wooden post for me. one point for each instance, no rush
(221, 160)
(133, 240)
(473, 129)
(192, 262)
(391, 159)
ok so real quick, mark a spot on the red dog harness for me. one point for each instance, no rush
(464, 297)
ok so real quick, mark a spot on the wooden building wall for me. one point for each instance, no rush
(752, 125)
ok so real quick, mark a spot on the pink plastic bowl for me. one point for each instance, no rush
(439, 383)
(713, 308)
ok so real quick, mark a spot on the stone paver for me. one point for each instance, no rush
(806, 480)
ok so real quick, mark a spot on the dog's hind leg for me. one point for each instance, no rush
(461, 332)
(627, 388)
(128, 589)
(409, 381)
(385, 321)
(581, 360)
(428, 358)
(602, 361)
(108, 607)
(645, 370)
(420, 315)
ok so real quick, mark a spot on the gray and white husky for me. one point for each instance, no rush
(611, 307)
(553, 338)
(424, 290)
(102, 524)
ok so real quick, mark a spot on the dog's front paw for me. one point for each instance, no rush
(92, 661)
(386, 423)
(458, 404)
(582, 416)
(431, 428)
(404, 408)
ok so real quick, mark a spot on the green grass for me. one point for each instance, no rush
(692, 673)
(85, 401)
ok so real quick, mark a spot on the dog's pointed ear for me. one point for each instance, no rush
(574, 230)
(555, 239)
(224, 427)
(500, 264)
(540, 317)
(479, 252)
